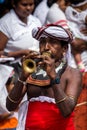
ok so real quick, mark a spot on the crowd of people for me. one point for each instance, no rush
(43, 64)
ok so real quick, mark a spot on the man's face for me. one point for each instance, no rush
(24, 8)
(53, 46)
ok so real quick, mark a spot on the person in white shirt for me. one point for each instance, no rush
(76, 15)
(56, 15)
(15, 31)
(42, 9)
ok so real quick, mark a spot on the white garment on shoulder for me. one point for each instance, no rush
(41, 11)
(76, 21)
(19, 33)
(55, 14)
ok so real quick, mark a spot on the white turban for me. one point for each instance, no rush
(53, 31)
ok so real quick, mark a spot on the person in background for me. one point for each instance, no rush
(43, 8)
(8, 120)
(76, 14)
(52, 87)
(15, 32)
(56, 15)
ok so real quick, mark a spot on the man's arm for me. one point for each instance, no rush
(66, 99)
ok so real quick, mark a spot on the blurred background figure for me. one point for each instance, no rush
(16, 40)
(8, 120)
(42, 9)
(76, 15)
(56, 15)
(77, 19)
(15, 31)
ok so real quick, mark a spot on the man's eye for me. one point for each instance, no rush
(31, 4)
(24, 4)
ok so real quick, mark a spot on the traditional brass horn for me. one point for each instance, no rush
(29, 65)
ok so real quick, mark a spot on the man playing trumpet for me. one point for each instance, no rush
(53, 88)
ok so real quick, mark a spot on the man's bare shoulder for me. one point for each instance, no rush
(73, 73)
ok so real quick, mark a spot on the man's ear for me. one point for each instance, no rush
(65, 48)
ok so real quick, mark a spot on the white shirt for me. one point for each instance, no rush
(55, 14)
(19, 33)
(76, 21)
(41, 11)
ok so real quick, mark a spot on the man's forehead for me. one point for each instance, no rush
(48, 39)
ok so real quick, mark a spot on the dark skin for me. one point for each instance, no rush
(67, 86)
(23, 9)
(5, 116)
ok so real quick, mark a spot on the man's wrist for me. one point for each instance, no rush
(56, 80)
(22, 82)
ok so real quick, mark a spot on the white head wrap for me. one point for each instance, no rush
(53, 31)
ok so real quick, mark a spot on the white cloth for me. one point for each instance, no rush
(43, 99)
(22, 112)
(76, 21)
(5, 72)
(55, 14)
(71, 60)
(3, 95)
(19, 33)
(53, 31)
(4, 59)
(3, 109)
(41, 11)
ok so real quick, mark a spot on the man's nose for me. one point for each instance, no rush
(28, 7)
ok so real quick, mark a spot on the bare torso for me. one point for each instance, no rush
(67, 76)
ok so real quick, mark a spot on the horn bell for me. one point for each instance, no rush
(29, 66)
